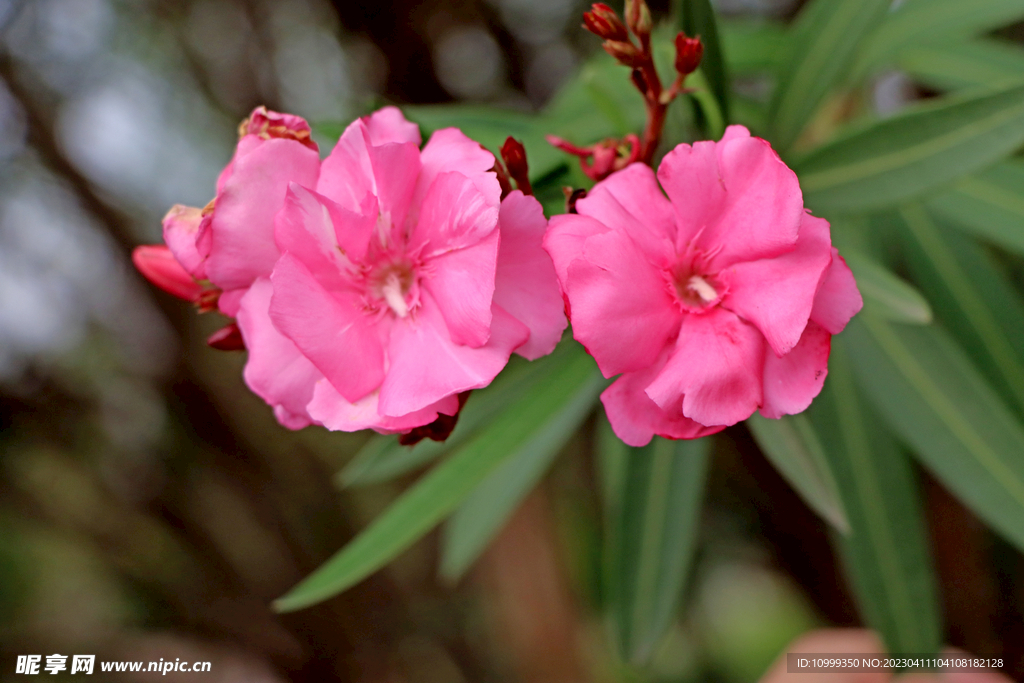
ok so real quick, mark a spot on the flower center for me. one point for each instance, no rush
(695, 292)
(395, 283)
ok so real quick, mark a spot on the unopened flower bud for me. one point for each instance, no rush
(627, 54)
(514, 155)
(638, 18)
(603, 22)
(227, 338)
(688, 54)
(159, 266)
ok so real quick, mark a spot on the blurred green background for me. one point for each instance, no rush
(151, 507)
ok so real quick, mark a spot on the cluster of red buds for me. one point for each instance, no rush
(611, 155)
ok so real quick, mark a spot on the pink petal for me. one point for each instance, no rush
(330, 328)
(525, 283)
(450, 150)
(230, 300)
(308, 227)
(631, 201)
(454, 214)
(716, 366)
(733, 198)
(792, 382)
(566, 235)
(275, 370)
(330, 409)
(396, 166)
(158, 264)
(777, 294)
(838, 298)
(242, 229)
(635, 418)
(388, 125)
(181, 227)
(426, 366)
(622, 310)
(462, 284)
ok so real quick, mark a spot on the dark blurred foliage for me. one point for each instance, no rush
(150, 506)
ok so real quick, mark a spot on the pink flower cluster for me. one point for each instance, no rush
(712, 303)
(371, 288)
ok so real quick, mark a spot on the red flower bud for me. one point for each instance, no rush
(604, 23)
(514, 155)
(227, 338)
(158, 265)
(638, 18)
(627, 54)
(688, 54)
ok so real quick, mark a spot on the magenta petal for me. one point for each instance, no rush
(181, 228)
(525, 283)
(462, 284)
(635, 418)
(275, 370)
(396, 166)
(426, 366)
(622, 311)
(160, 267)
(736, 199)
(631, 201)
(566, 235)
(792, 382)
(308, 227)
(330, 409)
(777, 294)
(838, 298)
(330, 328)
(450, 150)
(716, 366)
(242, 229)
(454, 214)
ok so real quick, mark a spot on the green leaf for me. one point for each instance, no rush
(468, 532)
(714, 119)
(886, 294)
(927, 390)
(752, 47)
(697, 18)
(444, 488)
(974, 300)
(896, 159)
(383, 458)
(490, 126)
(794, 449)
(935, 22)
(989, 205)
(955, 65)
(654, 511)
(886, 551)
(823, 43)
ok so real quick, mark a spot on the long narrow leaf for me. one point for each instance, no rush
(468, 532)
(885, 293)
(975, 301)
(971, 64)
(886, 552)
(752, 47)
(989, 204)
(896, 159)
(931, 395)
(442, 489)
(697, 18)
(824, 41)
(792, 445)
(654, 518)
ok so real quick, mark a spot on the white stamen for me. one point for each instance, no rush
(699, 285)
(392, 292)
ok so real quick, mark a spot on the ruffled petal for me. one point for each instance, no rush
(564, 240)
(622, 310)
(389, 125)
(329, 328)
(462, 284)
(181, 228)
(330, 409)
(777, 294)
(717, 367)
(792, 382)
(635, 418)
(275, 370)
(525, 283)
(631, 202)
(160, 267)
(450, 150)
(426, 366)
(735, 199)
(396, 166)
(455, 214)
(242, 228)
(838, 298)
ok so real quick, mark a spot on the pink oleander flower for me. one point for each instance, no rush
(711, 303)
(375, 287)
